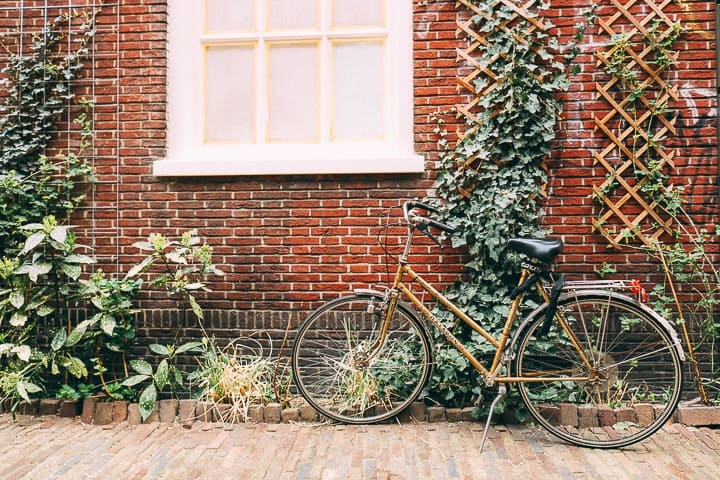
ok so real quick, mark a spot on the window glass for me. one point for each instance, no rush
(358, 93)
(349, 13)
(229, 15)
(293, 93)
(292, 14)
(230, 94)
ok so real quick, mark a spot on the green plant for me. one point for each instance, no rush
(183, 265)
(111, 331)
(50, 189)
(66, 392)
(692, 281)
(34, 288)
(167, 374)
(492, 181)
(37, 90)
(237, 375)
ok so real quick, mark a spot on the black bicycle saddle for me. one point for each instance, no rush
(543, 249)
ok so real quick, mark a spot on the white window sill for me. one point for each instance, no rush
(286, 161)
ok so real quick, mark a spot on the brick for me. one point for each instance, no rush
(308, 414)
(186, 411)
(698, 415)
(256, 413)
(103, 413)
(606, 416)
(49, 406)
(645, 413)
(625, 414)
(70, 408)
(273, 412)
(134, 417)
(167, 410)
(88, 409)
(587, 416)
(290, 415)
(435, 414)
(205, 411)
(568, 414)
(120, 410)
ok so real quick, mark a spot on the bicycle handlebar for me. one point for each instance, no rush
(421, 222)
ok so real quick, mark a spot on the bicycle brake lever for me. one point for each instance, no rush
(424, 229)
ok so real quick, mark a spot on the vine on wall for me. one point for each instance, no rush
(492, 182)
(642, 203)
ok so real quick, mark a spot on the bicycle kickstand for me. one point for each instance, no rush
(502, 390)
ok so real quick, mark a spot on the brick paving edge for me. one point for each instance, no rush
(95, 412)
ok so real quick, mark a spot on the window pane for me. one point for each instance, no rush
(294, 93)
(229, 15)
(292, 14)
(353, 13)
(229, 94)
(357, 76)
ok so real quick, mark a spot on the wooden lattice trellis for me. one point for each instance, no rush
(478, 39)
(636, 120)
(521, 24)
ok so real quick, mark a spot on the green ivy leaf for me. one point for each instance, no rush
(59, 233)
(197, 310)
(33, 241)
(75, 367)
(18, 319)
(162, 374)
(72, 271)
(58, 340)
(17, 299)
(134, 380)
(35, 270)
(189, 347)
(159, 349)
(141, 367)
(147, 401)
(77, 334)
(107, 324)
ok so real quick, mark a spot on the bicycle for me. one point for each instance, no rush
(593, 365)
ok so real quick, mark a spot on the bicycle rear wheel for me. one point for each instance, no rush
(624, 390)
(336, 372)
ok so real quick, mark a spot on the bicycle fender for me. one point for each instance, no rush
(368, 292)
(537, 315)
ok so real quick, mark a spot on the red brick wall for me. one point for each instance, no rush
(288, 243)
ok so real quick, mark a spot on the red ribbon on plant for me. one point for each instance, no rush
(638, 289)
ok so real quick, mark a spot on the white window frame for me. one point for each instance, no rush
(188, 155)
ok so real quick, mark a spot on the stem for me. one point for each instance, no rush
(681, 319)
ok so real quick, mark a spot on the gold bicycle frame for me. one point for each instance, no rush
(491, 374)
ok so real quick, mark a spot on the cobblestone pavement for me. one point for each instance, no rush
(57, 448)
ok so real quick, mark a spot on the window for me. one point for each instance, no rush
(289, 87)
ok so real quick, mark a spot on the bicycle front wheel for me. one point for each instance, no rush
(342, 370)
(611, 378)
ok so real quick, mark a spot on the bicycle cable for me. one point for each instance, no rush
(385, 229)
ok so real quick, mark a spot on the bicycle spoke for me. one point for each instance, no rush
(629, 390)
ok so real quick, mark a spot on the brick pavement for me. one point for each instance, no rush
(56, 448)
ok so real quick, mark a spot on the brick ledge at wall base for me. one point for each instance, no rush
(91, 411)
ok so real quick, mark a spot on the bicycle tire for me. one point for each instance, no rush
(333, 372)
(631, 390)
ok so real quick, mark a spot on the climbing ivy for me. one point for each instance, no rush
(492, 182)
(37, 90)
